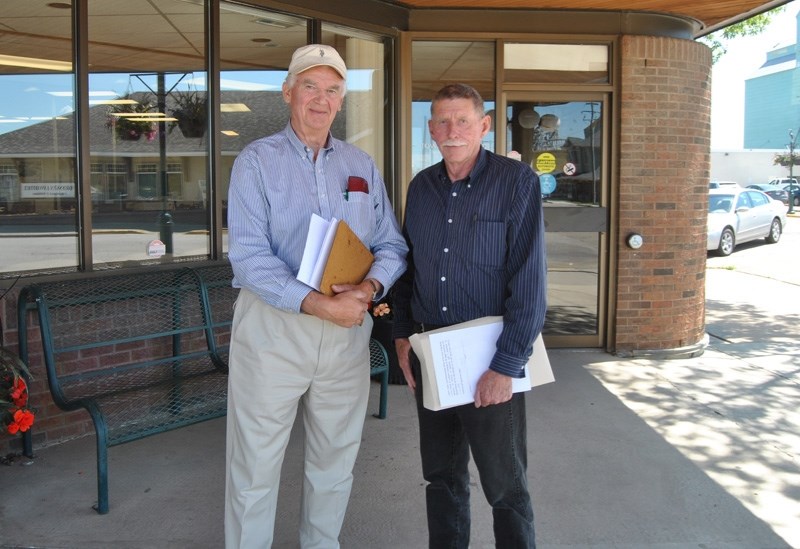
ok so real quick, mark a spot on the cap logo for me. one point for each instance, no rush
(321, 53)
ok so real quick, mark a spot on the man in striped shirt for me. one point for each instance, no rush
(290, 344)
(475, 232)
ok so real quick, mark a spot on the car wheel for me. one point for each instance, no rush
(796, 201)
(774, 231)
(726, 242)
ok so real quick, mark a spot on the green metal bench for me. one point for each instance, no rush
(136, 351)
(143, 353)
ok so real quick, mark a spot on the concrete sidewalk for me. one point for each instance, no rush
(623, 454)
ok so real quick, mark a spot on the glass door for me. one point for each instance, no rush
(564, 136)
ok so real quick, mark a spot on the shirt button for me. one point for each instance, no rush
(449, 220)
(455, 194)
(446, 250)
(444, 308)
(443, 278)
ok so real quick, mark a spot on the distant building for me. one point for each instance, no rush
(772, 101)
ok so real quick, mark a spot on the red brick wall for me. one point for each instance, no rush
(51, 425)
(664, 169)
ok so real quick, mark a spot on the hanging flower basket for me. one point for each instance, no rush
(784, 159)
(127, 134)
(122, 118)
(191, 109)
(192, 127)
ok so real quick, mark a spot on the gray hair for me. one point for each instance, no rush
(460, 91)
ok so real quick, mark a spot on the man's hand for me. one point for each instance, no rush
(493, 388)
(403, 348)
(345, 309)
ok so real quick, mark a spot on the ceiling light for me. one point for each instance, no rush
(234, 107)
(229, 133)
(113, 102)
(150, 119)
(35, 63)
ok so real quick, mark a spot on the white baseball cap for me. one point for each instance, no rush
(315, 55)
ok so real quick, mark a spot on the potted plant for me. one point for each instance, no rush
(122, 119)
(15, 415)
(191, 110)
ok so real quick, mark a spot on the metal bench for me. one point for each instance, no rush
(143, 353)
(135, 351)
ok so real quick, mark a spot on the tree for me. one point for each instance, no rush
(749, 27)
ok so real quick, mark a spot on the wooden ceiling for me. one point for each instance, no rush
(709, 13)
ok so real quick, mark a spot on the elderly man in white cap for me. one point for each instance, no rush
(292, 346)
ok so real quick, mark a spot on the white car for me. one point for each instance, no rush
(737, 215)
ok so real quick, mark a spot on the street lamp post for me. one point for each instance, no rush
(792, 138)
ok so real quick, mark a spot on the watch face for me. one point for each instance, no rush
(635, 241)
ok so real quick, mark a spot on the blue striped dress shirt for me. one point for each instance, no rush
(476, 248)
(275, 187)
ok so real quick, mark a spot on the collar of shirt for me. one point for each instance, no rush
(301, 148)
(474, 174)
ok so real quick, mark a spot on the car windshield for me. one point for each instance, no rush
(720, 203)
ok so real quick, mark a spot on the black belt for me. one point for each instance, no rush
(420, 327)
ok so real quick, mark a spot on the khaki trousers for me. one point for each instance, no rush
(278, 361)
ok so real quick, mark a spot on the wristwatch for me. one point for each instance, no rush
(375, 288)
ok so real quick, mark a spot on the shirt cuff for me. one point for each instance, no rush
(508, 365)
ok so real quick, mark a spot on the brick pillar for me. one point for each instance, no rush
(664, 169)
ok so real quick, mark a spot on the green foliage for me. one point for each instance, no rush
(749, 27)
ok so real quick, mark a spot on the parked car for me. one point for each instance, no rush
(738, 215)
(795, 190)
(783, 181)
(775, 191)
(718, 184)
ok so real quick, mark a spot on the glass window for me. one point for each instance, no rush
(560, 135)
(433, 64)
(556, 63)
(562, 141)
(148, 114)
(255, 49)
(38, 190)
(362, 116)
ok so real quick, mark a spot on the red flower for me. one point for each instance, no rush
(15, 416)
(19, 393)
(23, 419)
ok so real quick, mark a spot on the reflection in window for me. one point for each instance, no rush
(38, 192)
(556, 63)
(572, 283)
(148, 121)
(562, 141)
(435, 64)
(363, 111)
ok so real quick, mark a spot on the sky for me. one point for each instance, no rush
(745, 55)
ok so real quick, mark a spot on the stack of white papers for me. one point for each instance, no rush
(454, 358)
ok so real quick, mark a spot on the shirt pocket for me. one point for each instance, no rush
(360, 215)
(489, 240)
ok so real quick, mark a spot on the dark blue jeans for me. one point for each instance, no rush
(497, 437)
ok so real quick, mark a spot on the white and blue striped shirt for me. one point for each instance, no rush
(476, 248)
(275, 187)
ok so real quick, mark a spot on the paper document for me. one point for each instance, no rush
(454, 358)
(333, 255)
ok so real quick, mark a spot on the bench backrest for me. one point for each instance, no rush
(112, 325)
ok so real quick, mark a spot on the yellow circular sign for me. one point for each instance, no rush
(545, 163)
